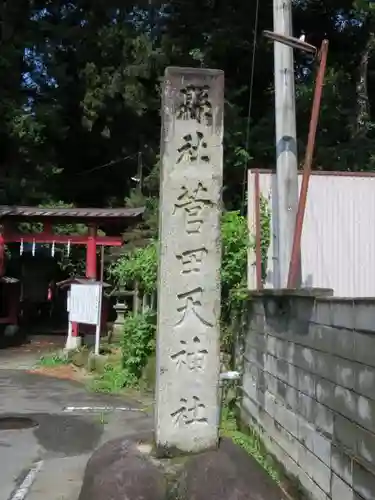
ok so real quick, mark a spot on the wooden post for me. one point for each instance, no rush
(73, 340)
(74, 329)
(91, 252)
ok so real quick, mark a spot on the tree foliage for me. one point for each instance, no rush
(138, 343)
(80, 90)
(235, 237)
(137, 266)
(141, 264)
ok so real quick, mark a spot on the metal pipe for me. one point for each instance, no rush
(296, 248)
(258, 233)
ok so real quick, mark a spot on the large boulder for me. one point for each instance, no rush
(119, 471)
(124, 470)
(228, 473)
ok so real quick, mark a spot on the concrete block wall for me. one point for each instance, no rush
(309, 388)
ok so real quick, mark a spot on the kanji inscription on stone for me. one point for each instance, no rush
(191, 411)
(195, 104)
(193, 149)
(193, 202)
(191, 260)
(188, 327)
(190, 302)
(191, 355)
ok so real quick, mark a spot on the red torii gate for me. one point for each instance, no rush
(110, 218)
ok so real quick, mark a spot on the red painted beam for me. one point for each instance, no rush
(114, 241)
(91, 253)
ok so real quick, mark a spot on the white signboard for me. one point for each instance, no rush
(85, 303)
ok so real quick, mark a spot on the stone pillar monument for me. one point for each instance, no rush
(188, 361)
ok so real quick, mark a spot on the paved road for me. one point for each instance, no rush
(62, 442)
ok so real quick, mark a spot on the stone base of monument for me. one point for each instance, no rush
(126, 469)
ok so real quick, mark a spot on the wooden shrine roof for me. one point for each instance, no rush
(27, 213)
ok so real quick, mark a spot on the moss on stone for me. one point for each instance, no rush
(79, 358)
(97, 363)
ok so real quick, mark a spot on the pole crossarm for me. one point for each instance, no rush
(291, 41)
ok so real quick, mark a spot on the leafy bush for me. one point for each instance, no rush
(235, 244)
(112, 380)
(235, 240)
(141, 265)
(265, 221)
(138, 344)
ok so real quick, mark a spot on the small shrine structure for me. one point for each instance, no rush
(112, 221)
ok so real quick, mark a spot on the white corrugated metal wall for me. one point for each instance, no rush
(338, 239)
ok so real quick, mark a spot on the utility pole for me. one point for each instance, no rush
(286, 142)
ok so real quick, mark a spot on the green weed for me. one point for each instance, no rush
(53, 359)
(103, 418)
(251, 443)
(112, 380)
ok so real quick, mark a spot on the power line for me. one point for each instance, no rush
(247, 140)
(109, 164)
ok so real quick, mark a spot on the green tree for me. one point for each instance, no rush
(80, 90)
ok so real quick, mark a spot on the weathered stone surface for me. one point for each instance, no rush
(228, 473)
(188, 361)
(97, 362)
(118, 471)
